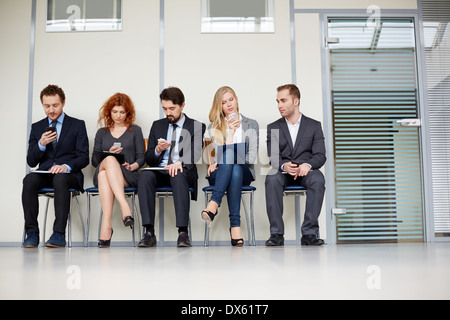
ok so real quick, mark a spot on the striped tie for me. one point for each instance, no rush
(174, 142)
(53, 124)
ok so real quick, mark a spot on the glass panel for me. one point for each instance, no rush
(436, 21)
(223, 16)
(84, 15)
(377, 160)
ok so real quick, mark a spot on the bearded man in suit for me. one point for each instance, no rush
(296, 148)
(174, 146)
(59, 145)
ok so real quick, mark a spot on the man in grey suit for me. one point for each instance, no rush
(296, 148)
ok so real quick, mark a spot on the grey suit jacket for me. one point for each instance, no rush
(250, 132)
(309, 146)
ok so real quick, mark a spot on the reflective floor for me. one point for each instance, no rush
(388, 271)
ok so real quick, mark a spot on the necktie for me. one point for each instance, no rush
(53, 124)
(173, 142)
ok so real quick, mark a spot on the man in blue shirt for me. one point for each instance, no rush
(60, 155)
(175, 145)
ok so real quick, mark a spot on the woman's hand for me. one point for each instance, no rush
(115, 149)
(130, 167)
(212, 168)
(233, 125)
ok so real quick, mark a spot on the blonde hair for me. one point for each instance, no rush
(217, 117)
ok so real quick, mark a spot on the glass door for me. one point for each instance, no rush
(376, 127)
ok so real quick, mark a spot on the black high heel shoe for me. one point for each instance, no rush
(105, 243)
(236, 242)
(208, 215)
(128, 221)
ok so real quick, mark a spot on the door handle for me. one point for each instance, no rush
(410, 122)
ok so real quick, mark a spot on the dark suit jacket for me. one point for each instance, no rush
(72, 147)
(189, 147)
(309, 146)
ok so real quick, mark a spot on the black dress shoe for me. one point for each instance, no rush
(147, 241)
(183, 240)
(311, 240)
(275, 240)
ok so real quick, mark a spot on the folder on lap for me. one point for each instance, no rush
(231, 153)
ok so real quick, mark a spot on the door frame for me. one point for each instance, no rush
(330, 199)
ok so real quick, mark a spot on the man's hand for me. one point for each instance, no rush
(291, 168)
(48, 137)
(162, 146)
(296, 170)
(58, 169)
(173, 168)
(303, 170)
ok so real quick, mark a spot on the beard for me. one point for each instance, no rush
(172, 119)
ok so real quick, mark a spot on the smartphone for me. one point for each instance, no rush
(53, 129)
(117, 144)
(295, 162)
(162, 140)
(232, 116)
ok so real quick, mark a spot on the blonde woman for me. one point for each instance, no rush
(229, 126)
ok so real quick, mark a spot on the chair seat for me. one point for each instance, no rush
(169, 189)
(126, 189)
(52, 190)
(294, 188)
(244, 188)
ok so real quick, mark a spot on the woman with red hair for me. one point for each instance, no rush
(118, 154)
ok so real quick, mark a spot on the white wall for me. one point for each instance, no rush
(92, 66)
(254, 65)
(15, 17)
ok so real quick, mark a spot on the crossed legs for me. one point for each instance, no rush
(111, 183)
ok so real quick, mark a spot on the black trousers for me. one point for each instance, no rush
(150, 180)
(61, 183)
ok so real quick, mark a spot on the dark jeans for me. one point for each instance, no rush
(230, 178)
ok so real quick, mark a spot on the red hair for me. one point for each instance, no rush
(119, 99)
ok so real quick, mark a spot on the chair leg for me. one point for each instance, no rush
(252, 217)
(297, 219)
(69, 223)
(137, 220)
(81, 220)
(207, 224)
(133, 238)
(24, 234)
(45, 221)
(100, 223)
(161, 220)
(189, 222)
(88, 219)
(247, 220)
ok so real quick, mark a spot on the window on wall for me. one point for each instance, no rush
(84, 15)
(235, 16)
